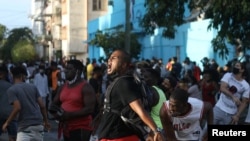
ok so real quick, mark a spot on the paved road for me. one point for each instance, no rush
(48, 136)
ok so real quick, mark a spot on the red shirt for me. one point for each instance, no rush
(72, 100)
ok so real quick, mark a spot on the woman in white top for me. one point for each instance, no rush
(233, 97)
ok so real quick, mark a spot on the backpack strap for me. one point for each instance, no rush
(107, 107)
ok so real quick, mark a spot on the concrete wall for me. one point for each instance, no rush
(192, 40)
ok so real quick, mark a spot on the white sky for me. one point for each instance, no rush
(15, 13)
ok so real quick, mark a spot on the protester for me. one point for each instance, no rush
(41, 82)
(28, 105)
(209, 86)
(233, 88)
(152, 79)
(90, 68)
(54, 77)
(194, 89)
(181, 116)
(74, 104)
(5, 107)
(112, 127)
(168, 85)
(96, 82)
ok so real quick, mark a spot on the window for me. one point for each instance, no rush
(99, 5)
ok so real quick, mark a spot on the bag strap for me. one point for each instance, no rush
(107, 107)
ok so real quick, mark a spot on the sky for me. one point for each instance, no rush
(15, 13)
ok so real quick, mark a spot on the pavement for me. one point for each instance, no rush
(48, 136)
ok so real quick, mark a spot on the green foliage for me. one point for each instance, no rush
(229, 17)
(3, 31)
(110, 41)
(163, 13)
(13, 37)
(23, 51)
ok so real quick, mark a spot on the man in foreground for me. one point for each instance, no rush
(181, 116)
(28, 105)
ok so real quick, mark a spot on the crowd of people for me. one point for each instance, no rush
(185, 99)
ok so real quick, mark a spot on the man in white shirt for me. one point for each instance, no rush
(41, 82)
(181, 116)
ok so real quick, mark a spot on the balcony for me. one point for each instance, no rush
(47, 11)
(43, 38)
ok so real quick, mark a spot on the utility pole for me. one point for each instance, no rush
(127, 26)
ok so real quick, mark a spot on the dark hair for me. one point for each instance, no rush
(77, 64)
(53, 63)
(125, 56)
(180, 95)
(155, 73)
(172, 80)
(18, 71)
(41, 66)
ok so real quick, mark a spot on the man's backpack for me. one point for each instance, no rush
(130, 118)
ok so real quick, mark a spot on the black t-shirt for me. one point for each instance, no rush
(111, 125)
(96, 84)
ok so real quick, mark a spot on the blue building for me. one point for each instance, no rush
(192, 40)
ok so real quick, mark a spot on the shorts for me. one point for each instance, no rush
(31, 133)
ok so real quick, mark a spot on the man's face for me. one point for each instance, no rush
(114, 63)
(70, 72)
(166, 83)
(175, 107)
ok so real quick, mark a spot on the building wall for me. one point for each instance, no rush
(192, 40)
(67, 24)
(93, 14)
(74, 28)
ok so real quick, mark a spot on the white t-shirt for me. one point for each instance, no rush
(225, 103)
(188, 127)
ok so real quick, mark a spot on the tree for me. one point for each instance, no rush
(13, 37)
(23, 51)
(114, 39)
(3, 31)
(230, 18)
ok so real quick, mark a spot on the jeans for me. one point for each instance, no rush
(221, 117)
